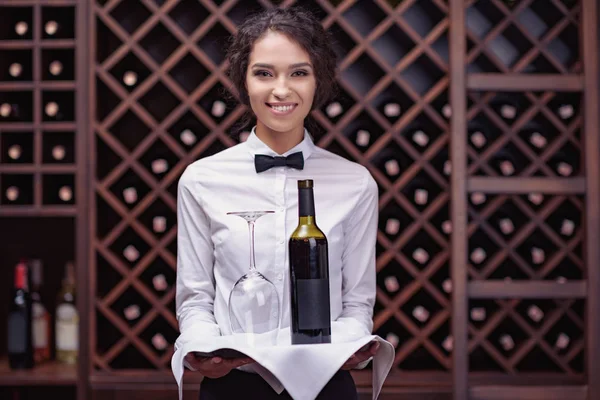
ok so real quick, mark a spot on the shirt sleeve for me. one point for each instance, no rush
(195, 291)
(358, 260)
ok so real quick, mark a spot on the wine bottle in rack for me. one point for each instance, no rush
(15, 65)
(506, 106)
(67, 319)
(58, 23)
(16, 23)
(58, 64)
(20, 337)
(565, 163)
(41, 317)
(58, 106)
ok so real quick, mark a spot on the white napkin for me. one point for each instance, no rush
(303, 370)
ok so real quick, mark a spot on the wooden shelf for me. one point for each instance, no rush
(48, 374)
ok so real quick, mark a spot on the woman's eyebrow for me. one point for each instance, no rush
(269, 66)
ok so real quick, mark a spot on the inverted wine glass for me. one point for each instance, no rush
(253, 301)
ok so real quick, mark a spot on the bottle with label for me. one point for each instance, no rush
(67, 319)
(309, 274)
(20, 345)
(41, 317)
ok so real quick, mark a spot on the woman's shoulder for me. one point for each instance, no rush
(338, 164)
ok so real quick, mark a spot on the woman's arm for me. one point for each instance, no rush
(358, 259)
(195, 279)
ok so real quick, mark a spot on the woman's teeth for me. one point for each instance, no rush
(282, 108)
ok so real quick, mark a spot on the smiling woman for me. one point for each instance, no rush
(283, 66)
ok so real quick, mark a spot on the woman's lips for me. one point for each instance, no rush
(282, 109)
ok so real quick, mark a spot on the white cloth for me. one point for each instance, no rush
(213, 251)
(303, 370)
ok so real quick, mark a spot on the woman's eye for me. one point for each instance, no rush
(300, 73)
(262, 73)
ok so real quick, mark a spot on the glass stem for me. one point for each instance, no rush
(252, 261)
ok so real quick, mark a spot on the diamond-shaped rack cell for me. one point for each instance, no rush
(242, 10)
(364, 16)
(131, 306)
(107, 335)
(422, 75)
(566, 220)
(422, 191)
(339, 106)
(481, 249)
(391, 161)
(129, 129)
(362, 75)
(159, 101)
(507, 219)
(188, 130)
(394, 332)
(131, 358)
(421, 308)
(337, 148)
(363, 131)
(130, 15)
(158, 218)
(393, 220)
(537, 249)
(218, 102)
(160, 336)
(393, 45)
(423, 16)
(130, 71)
(159, 277)
(422, 132)
(392, 278)
(189, 15)
(129, 247)
(159, 43)
(130, 189)
(189, 73)
(422, 249)
(342, 41)
(213, 43)
(392, 102)
(159, 159)
(481, 17)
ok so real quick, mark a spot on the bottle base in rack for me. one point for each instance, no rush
(311, 337)
(20, 361)
(66, 357)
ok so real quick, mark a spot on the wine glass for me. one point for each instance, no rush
(253, 301)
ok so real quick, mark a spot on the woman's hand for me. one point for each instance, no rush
(215, 367)
(360, 356)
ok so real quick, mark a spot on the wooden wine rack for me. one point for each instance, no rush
(495, 314)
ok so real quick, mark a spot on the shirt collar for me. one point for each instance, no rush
(257, 146)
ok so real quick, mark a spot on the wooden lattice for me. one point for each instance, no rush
(392, 54)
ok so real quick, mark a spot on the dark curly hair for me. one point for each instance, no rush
(298, 25)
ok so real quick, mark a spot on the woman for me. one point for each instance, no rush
(283, 66)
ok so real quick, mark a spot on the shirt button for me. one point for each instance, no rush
(282, 241)
(280, 276)
(281, 209)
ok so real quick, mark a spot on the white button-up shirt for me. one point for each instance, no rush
(213, 247)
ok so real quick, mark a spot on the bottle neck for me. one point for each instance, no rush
(306, 204)
(307, 220)
(21, 277)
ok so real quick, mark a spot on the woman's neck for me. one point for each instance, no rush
(279, 142)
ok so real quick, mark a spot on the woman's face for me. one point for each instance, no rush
(281, 83)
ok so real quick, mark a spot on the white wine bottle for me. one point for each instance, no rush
(67, 319)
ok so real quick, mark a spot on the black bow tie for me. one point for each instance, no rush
(263, 162)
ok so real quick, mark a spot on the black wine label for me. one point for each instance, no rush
(313, 304)
(17, 333)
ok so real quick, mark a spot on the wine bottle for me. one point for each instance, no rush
(67, 319)
(20, 343)
(40, 315)
(309, 274)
